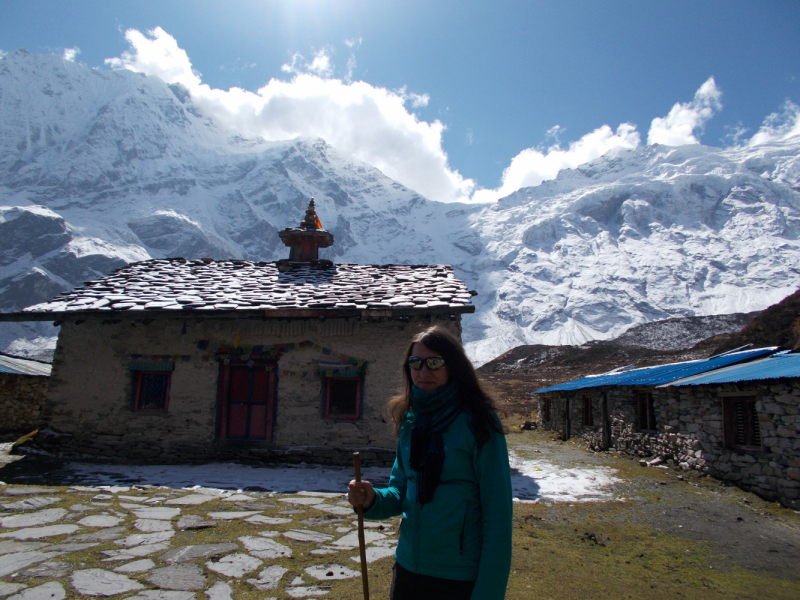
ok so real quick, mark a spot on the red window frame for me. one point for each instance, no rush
(137, 388)
(326, 403)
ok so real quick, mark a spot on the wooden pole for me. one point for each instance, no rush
(362, 546)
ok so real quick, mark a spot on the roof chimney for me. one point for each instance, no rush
(305, 241)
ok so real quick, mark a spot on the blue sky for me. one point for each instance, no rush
(448, 96)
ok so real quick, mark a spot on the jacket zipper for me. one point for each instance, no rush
(463, 531)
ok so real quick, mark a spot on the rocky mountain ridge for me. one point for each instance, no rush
(99, 168)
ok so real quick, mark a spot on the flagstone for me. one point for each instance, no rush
(68, 547)
(304, 501)
(99, 582)
(333, 509)
(152, 525)
(374, 553)
(269, 578)
(32, 503)
(268, 520)
(233, 514)
(234, 565)
(139, 539)
(307, 591)
(220, 591)
(324, 572)
(351, 539)
(11, 563)
(324, 551)
(178, 577)
(135, 552)
(83, 489)
(306, 535)
(103, 497)
(185, 553)
(321, 494)
(100, 521)
(163, 513)
(194, 522)
(103, 535)
(9, 547)
(137, 566)
(323, 520)
(269, 533)
(81, 508)
(48, 515)
(10, 588)
(36, 533)
(238, 498)
(26, 491)
(52, 570)
(52, 590)
(375, 525)
(265, 547)
(163, 595)
(387, 543)
(343, 529)
(114, 489)
(191, 499)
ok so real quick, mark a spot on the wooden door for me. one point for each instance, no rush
(248, 394)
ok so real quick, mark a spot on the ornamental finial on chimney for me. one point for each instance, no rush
(305, 241)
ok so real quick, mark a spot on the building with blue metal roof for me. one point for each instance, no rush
(733, 416)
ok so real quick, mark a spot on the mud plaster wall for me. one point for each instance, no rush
(88, 404)
(22, 399)
(689, 433)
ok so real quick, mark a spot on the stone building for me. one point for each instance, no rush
(23, 387)
(180, 360)
(734, 417)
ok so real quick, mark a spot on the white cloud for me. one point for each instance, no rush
(71, 53)
(3, 54)
(678, 127)
(533, 166)
(779, 126)
(371, 123)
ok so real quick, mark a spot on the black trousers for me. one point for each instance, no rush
(410, 586)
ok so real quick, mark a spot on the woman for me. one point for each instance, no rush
(450, 481)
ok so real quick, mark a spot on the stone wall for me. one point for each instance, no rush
(22, 399)
(88, 406)
(690, 435)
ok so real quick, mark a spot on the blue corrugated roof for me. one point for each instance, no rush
(659, 374)
(772, 367)
(22, 366)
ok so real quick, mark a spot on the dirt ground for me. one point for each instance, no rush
(664, 533)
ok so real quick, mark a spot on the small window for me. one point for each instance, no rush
(588, 419)
(645, 411)
(343, 397)
(151, 390)
(742, 429)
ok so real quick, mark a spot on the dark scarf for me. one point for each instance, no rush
(433, 413)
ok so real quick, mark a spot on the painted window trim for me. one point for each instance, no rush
(326, 398)
(137, 378)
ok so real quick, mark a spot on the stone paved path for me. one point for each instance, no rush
(153, 543)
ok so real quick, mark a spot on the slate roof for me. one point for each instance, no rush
(241, 287)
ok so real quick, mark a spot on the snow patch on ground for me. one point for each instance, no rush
(530, 479)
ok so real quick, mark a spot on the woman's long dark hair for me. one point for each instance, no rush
(476, 401)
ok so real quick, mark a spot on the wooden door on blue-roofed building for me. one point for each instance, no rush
(247, 401)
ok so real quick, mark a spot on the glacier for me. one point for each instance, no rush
(99, 168)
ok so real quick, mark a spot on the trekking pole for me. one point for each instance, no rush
(362, 546)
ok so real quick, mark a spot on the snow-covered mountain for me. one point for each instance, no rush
(102, 167)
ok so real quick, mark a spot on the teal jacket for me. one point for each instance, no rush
(464, 533)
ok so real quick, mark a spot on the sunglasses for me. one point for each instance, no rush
(433, 363)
